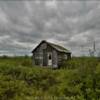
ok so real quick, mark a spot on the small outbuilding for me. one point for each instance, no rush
(50, 55)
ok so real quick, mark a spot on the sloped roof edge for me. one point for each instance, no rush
(55, 46)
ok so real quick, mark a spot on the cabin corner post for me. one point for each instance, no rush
(69, 56)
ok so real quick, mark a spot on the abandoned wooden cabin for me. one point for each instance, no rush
(50, 55)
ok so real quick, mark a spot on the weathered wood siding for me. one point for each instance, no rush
(62, 57)
(40, 56)
(55, 59)
(44, 57)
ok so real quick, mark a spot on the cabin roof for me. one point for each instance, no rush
(59, 48)
(55, 46)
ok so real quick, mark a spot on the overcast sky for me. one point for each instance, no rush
(74, 24)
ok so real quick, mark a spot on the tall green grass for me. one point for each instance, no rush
(78, 79)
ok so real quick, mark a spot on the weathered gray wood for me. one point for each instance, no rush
(40, 56)
(44, 57)
(55, 60)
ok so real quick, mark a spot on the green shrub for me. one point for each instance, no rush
(79, 79)
(26, 63)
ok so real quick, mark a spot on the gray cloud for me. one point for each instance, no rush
(70, 23)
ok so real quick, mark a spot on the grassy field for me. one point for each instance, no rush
(78, 79)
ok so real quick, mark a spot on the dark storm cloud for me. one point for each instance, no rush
(70, 23)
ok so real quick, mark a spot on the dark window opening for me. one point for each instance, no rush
(50, 56)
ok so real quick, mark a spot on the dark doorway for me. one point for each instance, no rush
(49, 59)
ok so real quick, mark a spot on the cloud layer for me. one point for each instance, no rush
(73, 24)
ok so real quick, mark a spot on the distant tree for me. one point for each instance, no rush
(98, 54)
(5, 56)
(26, 56)
(92, 52)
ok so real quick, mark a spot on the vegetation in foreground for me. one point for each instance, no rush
(79, 79)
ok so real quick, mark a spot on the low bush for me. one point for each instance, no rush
(79, 79)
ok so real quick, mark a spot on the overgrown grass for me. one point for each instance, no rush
(78, 79)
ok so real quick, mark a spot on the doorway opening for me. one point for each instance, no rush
(49, 59)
